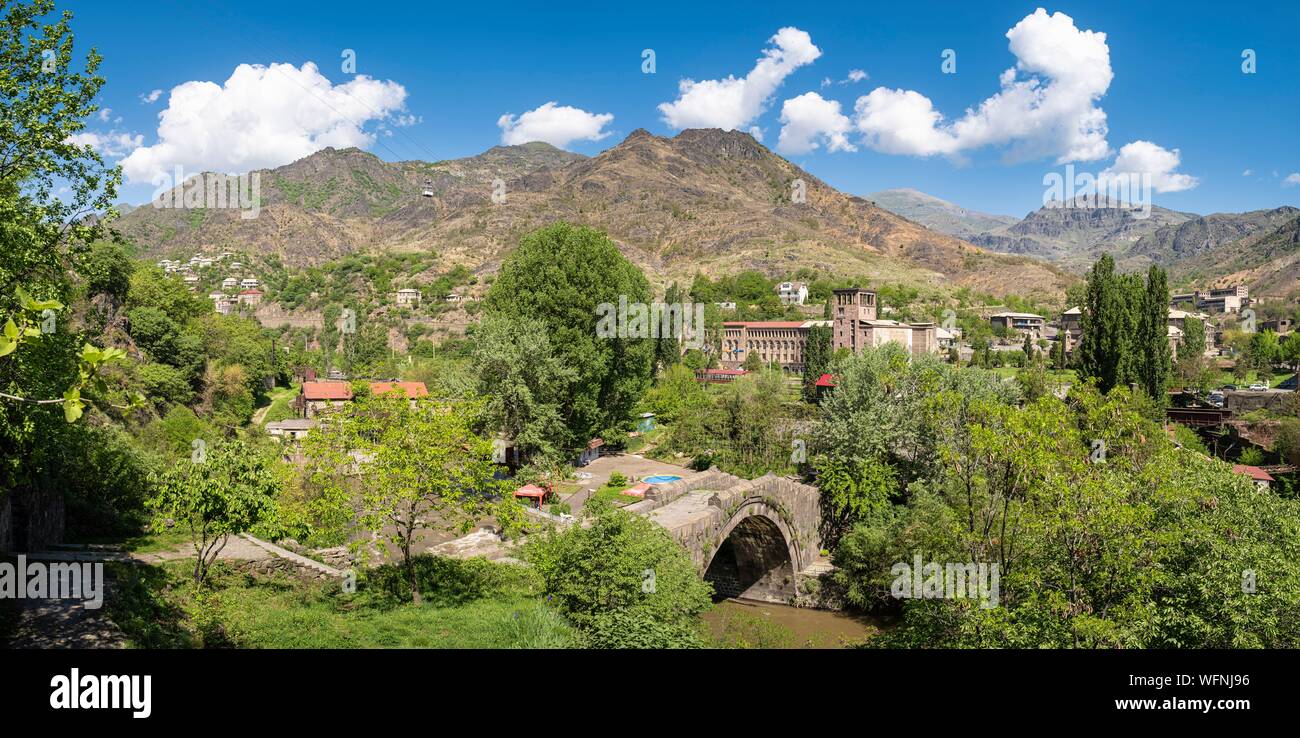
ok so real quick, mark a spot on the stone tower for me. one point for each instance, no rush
(851, 305)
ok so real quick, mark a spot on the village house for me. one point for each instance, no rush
(592, 452)
(229, 283)
(1262, 479)
(224, 306)
(291, 429)
(1023, 322)
(792, 293)
(251, 297)
(407, 297)
(315, 397)
(248, 283)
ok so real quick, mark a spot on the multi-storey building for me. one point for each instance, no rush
(777, 341)
(857, 327)
(854, 326)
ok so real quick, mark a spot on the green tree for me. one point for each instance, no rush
(817, 360)
(405, 467)
(1101, 347)
(223, 490)
(1154, 360)
(617, 562)
(559, 276)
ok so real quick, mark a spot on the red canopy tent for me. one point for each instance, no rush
(532, 492)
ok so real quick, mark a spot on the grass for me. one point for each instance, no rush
(281, 400)
(468, 604)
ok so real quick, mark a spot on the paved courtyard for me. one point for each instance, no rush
(633, 466)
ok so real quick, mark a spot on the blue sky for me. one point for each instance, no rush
(441, 77)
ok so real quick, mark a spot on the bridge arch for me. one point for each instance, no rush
(756, 557)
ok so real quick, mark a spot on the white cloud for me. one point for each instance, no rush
(1144, 157)
(732, 103)
(809, 120)
(856, 75)
(1046, 105)
(150, 97)
(404, 121)
(1291, 180)
(1248, 172)
(558, 125)
(112, 144)
(261, 117)
(105, 114)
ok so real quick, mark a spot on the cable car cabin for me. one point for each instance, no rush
(428, 188)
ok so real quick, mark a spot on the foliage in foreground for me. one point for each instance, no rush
(1147, 546)
(622, 579)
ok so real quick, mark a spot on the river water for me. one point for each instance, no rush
(751, 624)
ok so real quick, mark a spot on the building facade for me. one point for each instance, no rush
(856, 326)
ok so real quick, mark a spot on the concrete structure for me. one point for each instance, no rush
(250, 297)
(291, 429)
(229, 283)
(756, 539)
(856, 326)
(1023, 322)
(1219, 300)
(224, 306)
(407, 297)
(1280, 326)
(248, 283)
(792, 293)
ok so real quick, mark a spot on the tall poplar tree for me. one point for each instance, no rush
(1152, 342)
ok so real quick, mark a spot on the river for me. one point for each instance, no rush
(751, 624)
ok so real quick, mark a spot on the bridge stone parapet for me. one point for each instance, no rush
(749, 537)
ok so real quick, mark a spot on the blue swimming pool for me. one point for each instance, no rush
(661, 479)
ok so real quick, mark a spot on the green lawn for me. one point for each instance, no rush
(468, 604)
(281, 399)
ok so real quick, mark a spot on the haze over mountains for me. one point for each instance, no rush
(1256, 247)
(704, 200)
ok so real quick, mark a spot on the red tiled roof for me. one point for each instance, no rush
(765, 323)
(825, 380)
(411, 389)
(326, 391)
(250, 292)
(1254, 472)
(595, 443)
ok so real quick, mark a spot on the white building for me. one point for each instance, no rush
(792, 293)
(248, 283)
(408, 297)
(229, 283)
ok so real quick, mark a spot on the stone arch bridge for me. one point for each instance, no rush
(756, 538)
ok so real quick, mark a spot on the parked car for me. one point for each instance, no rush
(1216, 399)
(1258, 387)
(1228, 387)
